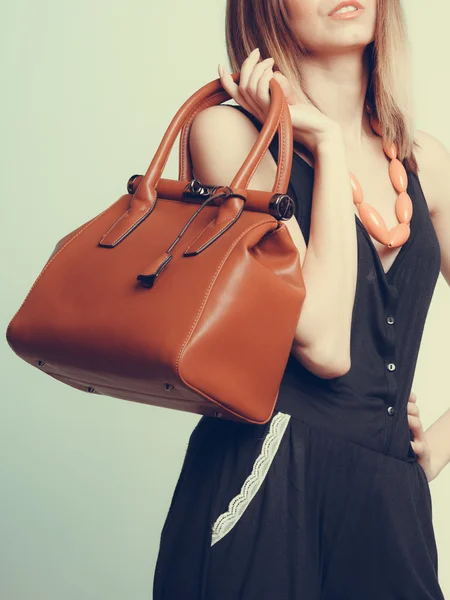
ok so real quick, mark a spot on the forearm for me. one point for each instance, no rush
(330, 265)
(438, 439)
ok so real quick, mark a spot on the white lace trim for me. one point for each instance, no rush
(225, 522)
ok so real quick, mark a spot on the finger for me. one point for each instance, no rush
(291, 97)
(247, 68)
(413, 409)
(415, 425)
(251, 93)
(229, 85)
(225, 78)
(258, 70)
(418, 447)
(262, 92)
(412, 397)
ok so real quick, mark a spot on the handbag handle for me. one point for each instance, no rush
(278, 119)
(219, 95)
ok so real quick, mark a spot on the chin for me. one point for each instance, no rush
(351, 40)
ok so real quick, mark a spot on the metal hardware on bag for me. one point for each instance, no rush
(130, 187)
(40, 363)
(91, 390)
(218, 414)
(148, 279)
(196, 188)
(229, 194)
(282, 207)
(168, 386)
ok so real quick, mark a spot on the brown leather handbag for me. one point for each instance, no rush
(179, 294)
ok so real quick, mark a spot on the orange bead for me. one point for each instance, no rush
(398, 235)
(356, 189)
(404, 207)
(390, 150)
(398, 175)
(375, 124)
(373, 222)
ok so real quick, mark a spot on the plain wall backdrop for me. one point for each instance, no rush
(88, 90)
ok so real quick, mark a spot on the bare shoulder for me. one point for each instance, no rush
(220, 140)
(433, 159)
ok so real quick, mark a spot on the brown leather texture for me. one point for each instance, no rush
(174, 298)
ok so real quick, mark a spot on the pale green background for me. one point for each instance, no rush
(88, 90)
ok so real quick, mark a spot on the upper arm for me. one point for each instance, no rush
(220, 140)
(434, 168)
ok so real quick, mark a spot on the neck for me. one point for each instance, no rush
(338, 84)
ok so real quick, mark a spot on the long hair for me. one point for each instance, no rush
(265, 24)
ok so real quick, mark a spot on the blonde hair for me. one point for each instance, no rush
(264, 24)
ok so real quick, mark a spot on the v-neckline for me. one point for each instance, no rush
(389, 273)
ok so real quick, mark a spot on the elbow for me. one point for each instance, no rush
(337, 370)
(324, 361)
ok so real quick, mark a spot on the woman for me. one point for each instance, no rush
(330, 499)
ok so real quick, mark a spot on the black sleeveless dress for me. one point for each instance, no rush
(326, 501)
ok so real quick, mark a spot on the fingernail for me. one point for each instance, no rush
(220, 70)
(255, 50)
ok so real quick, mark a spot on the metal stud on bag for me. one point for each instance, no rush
(282, 207)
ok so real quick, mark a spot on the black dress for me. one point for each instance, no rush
(326, 501)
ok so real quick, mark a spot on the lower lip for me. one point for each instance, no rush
(352, 14)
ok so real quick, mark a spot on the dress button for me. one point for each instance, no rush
(391, 366)
(391, 410)
(390, 320)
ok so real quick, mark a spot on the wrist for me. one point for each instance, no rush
(329, 141)
(437, 457)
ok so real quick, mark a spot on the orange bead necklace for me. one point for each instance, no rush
(371, 219)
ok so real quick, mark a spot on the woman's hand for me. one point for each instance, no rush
(310, 126)
(420, 444)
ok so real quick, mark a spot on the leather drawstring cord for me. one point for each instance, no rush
(154, 269)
